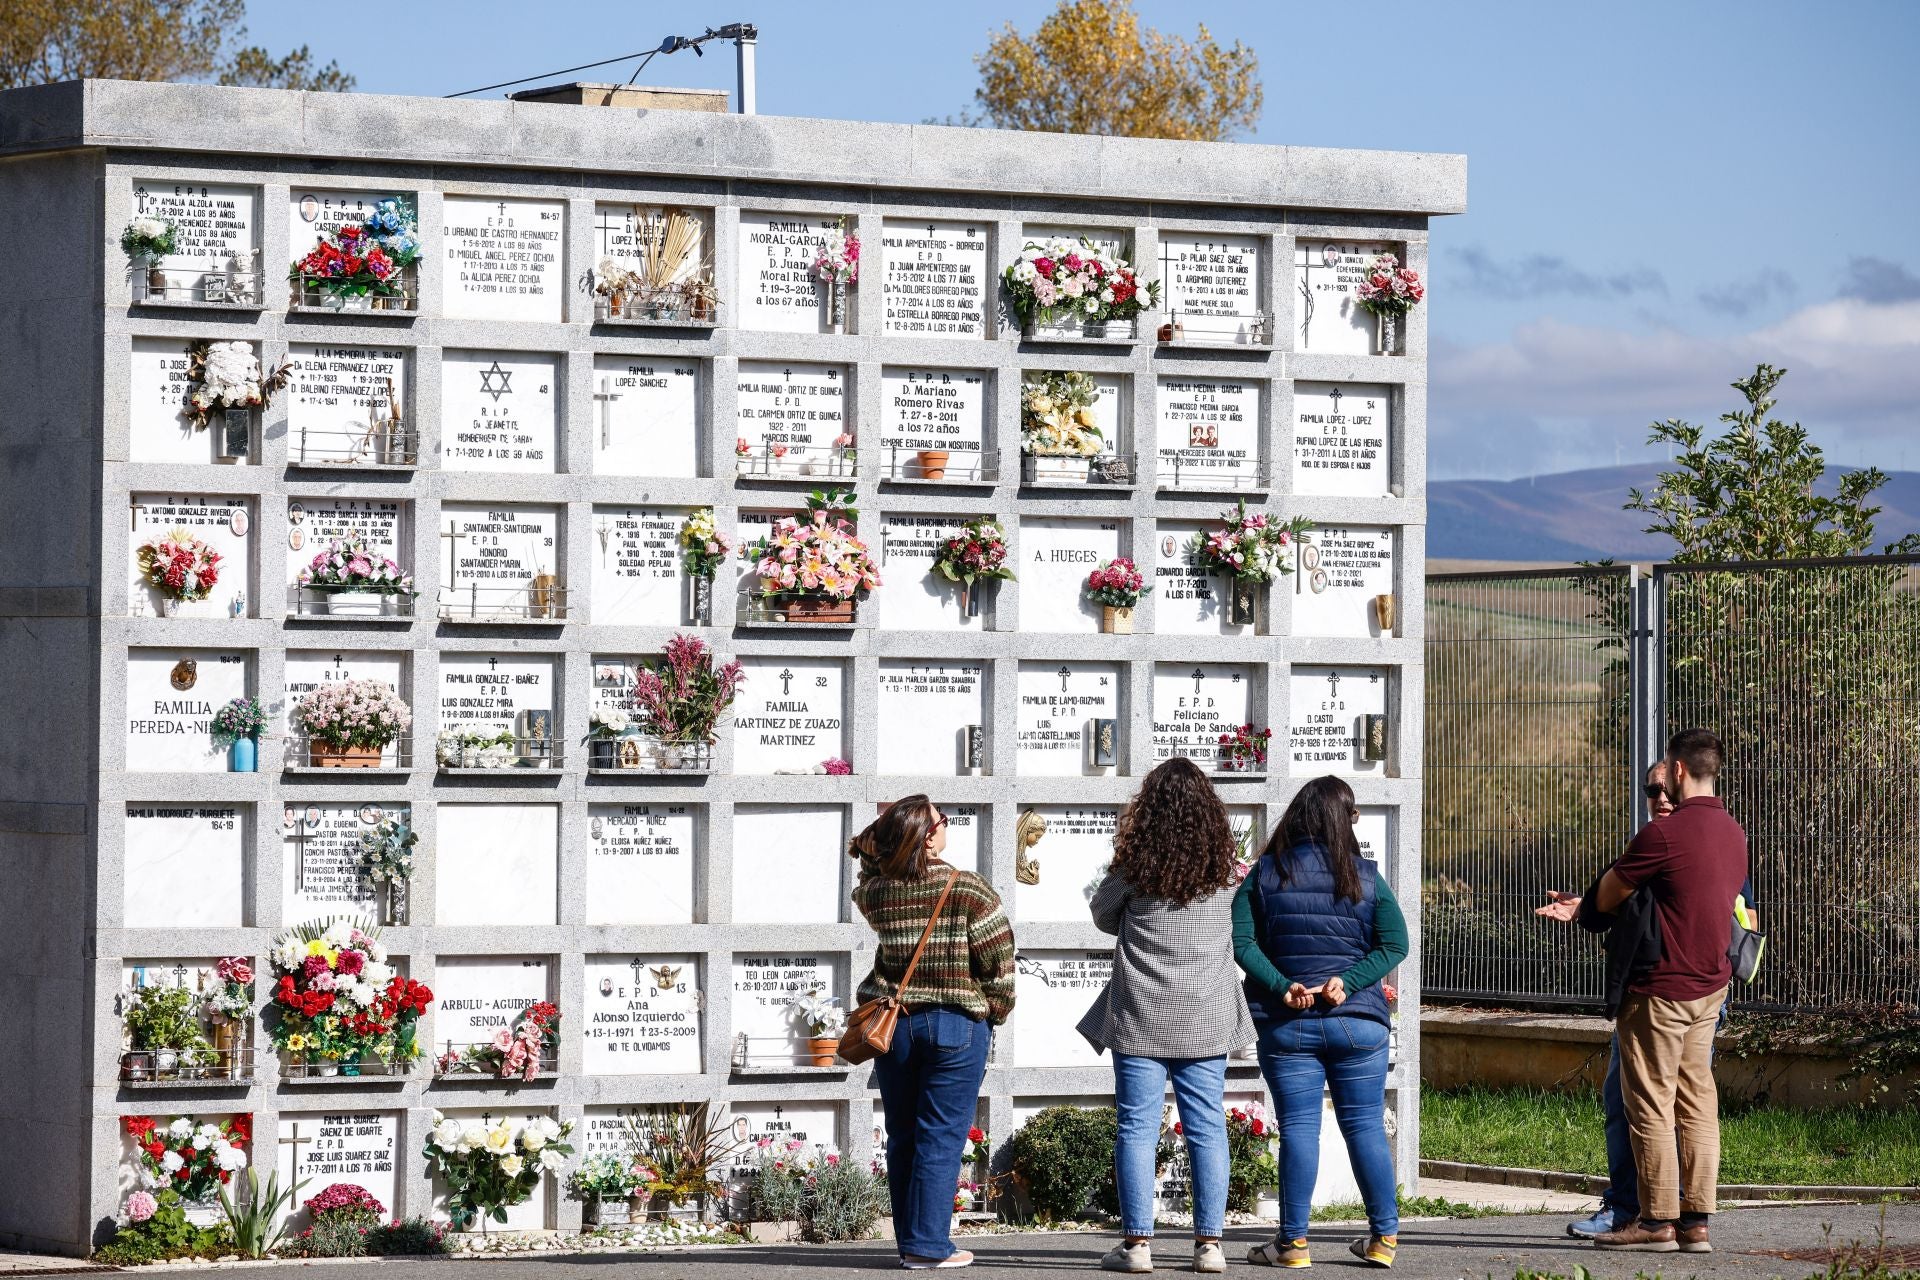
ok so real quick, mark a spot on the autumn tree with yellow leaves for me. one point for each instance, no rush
(43, 41)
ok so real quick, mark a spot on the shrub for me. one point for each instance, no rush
(842, 1201)
(167, 1234)
(775, 1189)
(1064, 1158)
(334, 1235)
(407, 1235)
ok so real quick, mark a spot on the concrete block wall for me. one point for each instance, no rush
(81, 149)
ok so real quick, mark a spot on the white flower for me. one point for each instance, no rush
(499, 1139)
(200, 1141)
(288, 954)
(1106, 295)
(234, 1160)
(446, 1132)
(171, 1162)
(552, 1160)
(361, 994)
(338, 934)
(181, 1128)
(1024, 272)
(511, 1165)
(377, 974)
(533, 1139)
(473, 1136)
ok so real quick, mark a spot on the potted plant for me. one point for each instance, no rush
(1117, 587)
(337, 1002)
(164, 1024)
(350, 723)
(1079, 288)
(1250, 551)
(351, 580)
(186, 1162)
(815, 570)
(603, 1184)
(231, 1006)
(386, 862)
(179, 567)
(978, 553)
(703, 550)
(360, 265)
(822, 1020)
(604, 725)
(1244, 749)
(1389, 292)
(515, 1053)
(237, 727)
(679, 1149)
(776, 1186)
(845, 459)
(227, 378)
(609, 283)
(1057, 431)
(670, 278)
(933, 463)
(682, 698)
(487, 1169)
(146, 241)
(837, 266)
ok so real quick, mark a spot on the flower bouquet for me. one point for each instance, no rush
(517, 1052)
(1389, 292)
(186, 1161)
(837, 266)
(363, 264)
(683, 697)
(488, 1169)
(605, 1182)
(165, 1034)
(458, 749)
(1116, 587)
(978, 553)
(179, 566)
(337, 1002)
(815, 569)
(350, 723)
(604, 725)
(227, 378)
(978, 1147)
(1251, 551)
(1251, 1167)
(146, 241)
(386, 861)
(1244, 749)
(231, 1004)
(353, 580)
(611, 285)
(703, 550)
(821, 1020)
(1057, 428)
(1061, 282)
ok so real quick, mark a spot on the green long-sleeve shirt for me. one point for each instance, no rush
(1390, 942)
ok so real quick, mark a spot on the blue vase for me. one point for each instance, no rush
(243, 756)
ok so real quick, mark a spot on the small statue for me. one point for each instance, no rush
(1027, 832)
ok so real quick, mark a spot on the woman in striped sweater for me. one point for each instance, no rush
(930, 1078)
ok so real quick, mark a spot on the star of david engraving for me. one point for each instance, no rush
(487, 385)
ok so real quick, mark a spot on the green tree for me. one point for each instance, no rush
(43, 41)
(1090, 67)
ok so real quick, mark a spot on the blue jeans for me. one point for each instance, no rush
(1139, 1094)
(1623, 1179)
(929, 1086)
(1349, 1057)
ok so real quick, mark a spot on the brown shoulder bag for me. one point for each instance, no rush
(870, 1027)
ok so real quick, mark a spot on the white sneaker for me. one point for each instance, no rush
(1135, 1258)
(1208, 1256)
(958, 1258)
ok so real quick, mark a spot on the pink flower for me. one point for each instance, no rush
(141, 1206)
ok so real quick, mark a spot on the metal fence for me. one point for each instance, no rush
(1547, 693)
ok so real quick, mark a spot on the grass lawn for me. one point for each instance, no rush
(1847, 1145)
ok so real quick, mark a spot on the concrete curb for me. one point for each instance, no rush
(1593, 1184)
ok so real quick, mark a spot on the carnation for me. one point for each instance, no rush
(141, 1206)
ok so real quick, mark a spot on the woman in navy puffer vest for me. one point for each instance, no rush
(1316, 929)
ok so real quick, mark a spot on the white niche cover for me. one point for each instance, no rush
(334, 392)
(308, 669)
(325, 1147)
(944, 410)
(1209, 433)
(1056, 555)
(1194, 703)
(158, 429)
(171, 697)
(646, 416)
(503, 258)
(224, 524)
(1212, 283)
(764, 984)
(1327, 314)
(778, 290)
(784, 1122)
(790, 715)
(499, 411)
(795, 406)
(185, 867)
(642, 863)
(933, 278)
(1341, 570)
(925, 709)
(493, 556)
(497, 864)
(1343, 439)
(476, 996)
(320, 857)
(313, 524)
(1187, 600)
(790, 864)
(1071, 859)
(639, 579)
(642, 1015)
(531, 1214)
(1058, 703)
(1329, 707)
(1052, 992)
(211, 221)
(915, 598)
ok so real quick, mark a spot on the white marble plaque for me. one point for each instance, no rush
(925, 708)
(1187, 600)
(475, 996)
(778, 290)
(621, 231)
(308, 669)
(1058, 700)
(642, 1015)
(157, 391)
(484, 692)
(1350, 566)
(360, 1148)
(1374, 831)
(1211, 284)
(1327, 313)
(1342, 439)
(814, 1125)
(1328, 706)
(646, 416)
(934, 278)
(790, 864)
(225, 524)
(185, 867)
(796, 406)
(211, 222)
(642, 863)
(1052, 992)
(499, 411)
(764, 984)
(966, 828)
(916, 598)
(313, 214)
(532, 1213)
(332, 391)
(790, 715)
(320, 858)
(490, 553)
(171, 697)
(608, 1131)
(638, 580)
(497, 864)
(1194, 703)
(383, 526)
(1072, 857)
(1056, 555)
(504, 258)
(1209, 433)
(938, 409)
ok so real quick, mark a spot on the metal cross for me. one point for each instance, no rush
(786, 683)
(1063, 673)
(453, 555)
(180, 975)
(1334, 395)
(294, 1142)
(606, 398)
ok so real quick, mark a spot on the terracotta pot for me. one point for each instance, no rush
(326, 757)
(824, 1051)
(933, 464)
(1116, 620)
(817, 609)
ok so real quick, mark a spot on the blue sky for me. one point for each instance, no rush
(1661, 194)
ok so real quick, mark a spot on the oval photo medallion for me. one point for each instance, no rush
(185, 674)
(309, 207)
(238, 522)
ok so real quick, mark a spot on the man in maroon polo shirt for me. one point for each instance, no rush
(1693, 862)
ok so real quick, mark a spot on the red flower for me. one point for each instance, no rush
(1259, 1129)
(139, 1126)
(1044, 266)
(975, 1135)
(1177, 1128)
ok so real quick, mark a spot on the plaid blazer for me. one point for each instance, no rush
(1175, 990)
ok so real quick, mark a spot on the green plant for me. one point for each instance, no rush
(776, 1186)
(1063, 1156)
(165, 1018)
(1250, 1163)
(256, 1222)
(166, 1234)
(407, 1236)
(603, 1177)
(680, 1147)
(1880, 1043)
(334, 1236)
(841, 1201)
(488, 1169)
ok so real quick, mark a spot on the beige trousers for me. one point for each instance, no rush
(1666, 1081)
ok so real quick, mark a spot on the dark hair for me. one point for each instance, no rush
(1173, 839)
(897, 839)
(1322, 814)
(1699, 750)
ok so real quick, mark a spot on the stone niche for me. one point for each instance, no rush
(1343, 439)
(764, 985)
(1208, 434)
(1194, 703)
(325, 1147)
(336, 397)
(1211, 287)
(171, 697)
(500, 561)
(1056, 555)
(533, 1214)
(790, 715)
(186, 866)
(1066, 865)
(926, 710)
(224, 524)
(497, 864)
(934, 410)
(790, 414)
(646, 416)
(914, 597)
(382, 525)
(814, 1125)
(158, 428)
(488, 694)
(1330, 708)
(935, 278)
(499, 411)
(642, 1015)
(1327, 315)
(308, 669)
(790, 864)
(212, 222)
(504, 259)
(476, 996)
(644, 863)
(1061, 713)
(320, 858)
(1342, 573)
(1052, 992)
(638, 575)
(1187, 600)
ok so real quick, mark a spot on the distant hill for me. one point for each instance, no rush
(1576, 515)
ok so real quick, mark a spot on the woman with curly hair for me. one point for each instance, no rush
(1173, 1007)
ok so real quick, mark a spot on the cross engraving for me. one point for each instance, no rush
(1198, 676)
(1064, 675)
(503, 208)
(778, 1111)
(605, 398)
(493, 664)
(294, 1142)
(786, 682)
(1333, 684)
(1334, 395)
(639, 968)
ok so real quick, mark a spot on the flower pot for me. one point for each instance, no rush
(602, 309)
(243, 756)
(601, 754)
(837, 306)
(543, 596)
(669, 755)
(331, 757)
(1383, 609)
(1243, 602)
(1117, 620)
(353, 604)
(1055, 470)
(600, 1212)
(170, 606)
(933, 464)
(393, 904)
(817, 609)
(1386, 333)
(823, 1050)
(156, 281)
(701, 591)
(165, 1062)
(1267, 1207)
(326, 1067)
